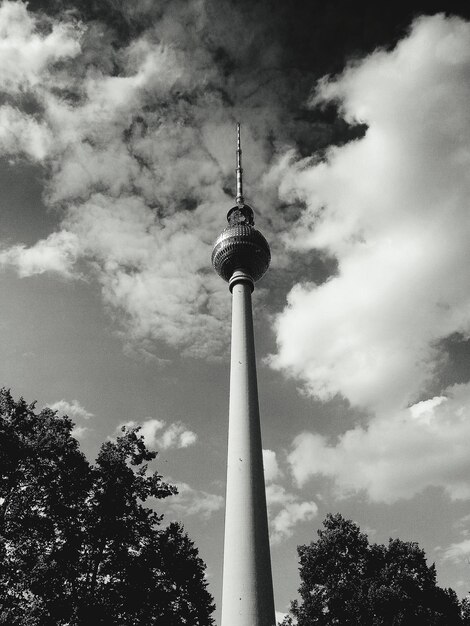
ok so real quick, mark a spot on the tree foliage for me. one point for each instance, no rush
(348, 581)
(78, 545)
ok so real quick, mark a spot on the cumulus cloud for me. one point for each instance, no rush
(57, 254)
(134, 142)
(280, 616)
(157, 434)
(457, 552)
(177, 436)
(80, 432)
(286, 511)
(22, 134)
(190, 501)
(73, 409)
(272, 470)
(29, 46)
(154, 272)
(395, 457)
(392, 208)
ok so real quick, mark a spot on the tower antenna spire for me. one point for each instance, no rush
(239, 199)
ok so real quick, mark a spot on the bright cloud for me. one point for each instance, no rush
(56, 254)
(27, 51)
(153, 272)
(177, 436)
(392, 207)
(457, 552)
(395, 457)
(272, 470)
(280, 616)
(190, 501)
(22, 134)
(158, 435)
(80, 432)
(286, 511)
(139, 184)
(73, 409)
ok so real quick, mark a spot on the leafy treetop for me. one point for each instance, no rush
(78, 545)
(346, 580)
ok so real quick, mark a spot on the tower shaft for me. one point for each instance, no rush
(247, 595)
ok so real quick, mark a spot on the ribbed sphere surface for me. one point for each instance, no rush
(241, 247)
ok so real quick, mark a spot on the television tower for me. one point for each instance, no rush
(241, 256)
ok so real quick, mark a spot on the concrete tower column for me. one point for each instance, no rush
(241, 256)
(247, 596)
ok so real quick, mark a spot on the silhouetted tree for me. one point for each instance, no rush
(77, 543)
(347, 581)
(465, 609)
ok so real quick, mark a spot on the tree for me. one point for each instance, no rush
(43, 483)
(345, 580)
(78, 545)
(465, 608)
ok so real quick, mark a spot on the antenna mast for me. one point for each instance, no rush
(239, 199)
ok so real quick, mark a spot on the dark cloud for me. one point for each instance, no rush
(268, 55)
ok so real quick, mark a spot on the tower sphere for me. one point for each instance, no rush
(240, 246)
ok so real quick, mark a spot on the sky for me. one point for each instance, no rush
(117, 168)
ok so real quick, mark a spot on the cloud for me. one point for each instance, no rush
(56, 254)
(154, 273)
(79, 432)
(157, 434)
(392, 208)
(280, 616)
(73, 409)
(272, 470)
(286, 511)
(29, 46)
(134, 138)
(395, 457)
(21, 134)
(190, 501)
(177, 436)
(283, 524)
(457, 552)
